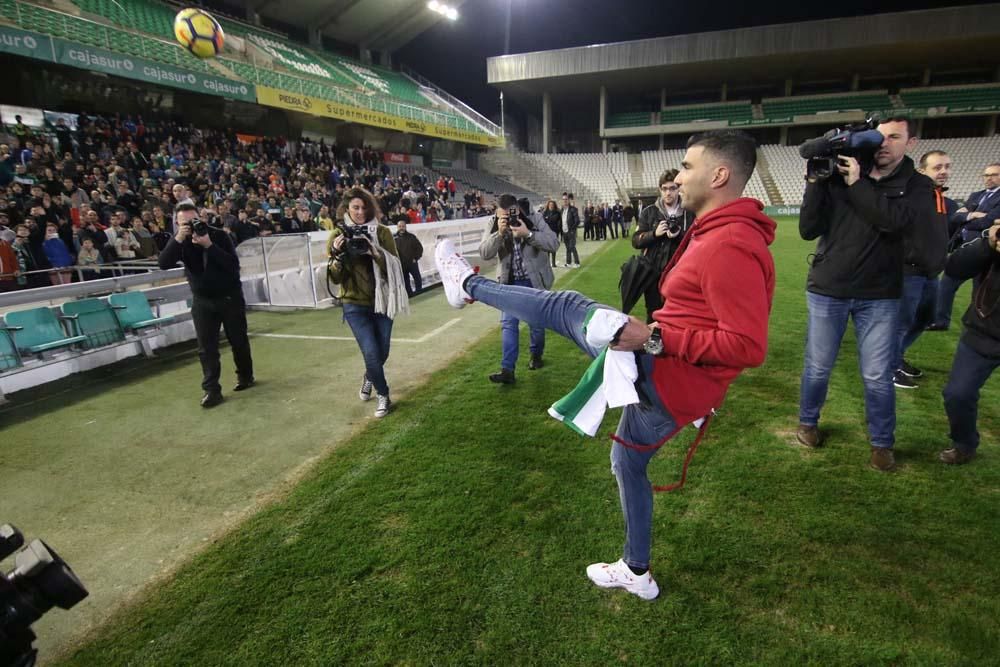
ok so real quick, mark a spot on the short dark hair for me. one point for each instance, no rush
(928, 155)
(735, 147)
(506, 201)
(911, 125)
(183, 206)
(669, 176)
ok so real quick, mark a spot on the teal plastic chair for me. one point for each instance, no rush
(38, 330)
(133, 311)
(94, 320)
(9, 358)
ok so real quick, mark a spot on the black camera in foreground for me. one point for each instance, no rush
(199, 227)
(39, 581)
(675, 225)
(860, 141)
(358, 239)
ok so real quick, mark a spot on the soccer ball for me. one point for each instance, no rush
(199, 32)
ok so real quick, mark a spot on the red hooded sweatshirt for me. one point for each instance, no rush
(717, 293)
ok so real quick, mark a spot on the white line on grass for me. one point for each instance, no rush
(423, 339)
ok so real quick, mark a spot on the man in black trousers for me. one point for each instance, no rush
(213, 272)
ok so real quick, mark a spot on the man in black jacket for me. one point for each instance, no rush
(660, 230)
(570, 223)
(213, 272)
(410, 251)
(857, 271)
(978, 353)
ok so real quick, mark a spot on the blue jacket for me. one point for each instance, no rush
(972, 228)
(57, 253)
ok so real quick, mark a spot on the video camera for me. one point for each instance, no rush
(39, 581)
(860, 141)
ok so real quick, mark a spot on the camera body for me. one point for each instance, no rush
(39, 581)
(675, 225)
(199, 227)
(859, 140)
(358, 239)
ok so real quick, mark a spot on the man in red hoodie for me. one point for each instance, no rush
(717, 292)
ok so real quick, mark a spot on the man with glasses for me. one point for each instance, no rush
(978, 214)
(660, 230)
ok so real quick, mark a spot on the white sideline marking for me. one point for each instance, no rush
(423, 339)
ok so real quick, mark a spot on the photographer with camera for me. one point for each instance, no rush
(365, 263)
(860, 206)
(212, 270)
(522, 246)
(978, 352)
(660, 230)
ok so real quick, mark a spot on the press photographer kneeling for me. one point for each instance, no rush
(213, 272)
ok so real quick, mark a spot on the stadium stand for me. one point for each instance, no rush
(470, 180)
(630, 119)
(689, 113)
(787, 107)
(655, 163)
(954, 98)
(591, 169)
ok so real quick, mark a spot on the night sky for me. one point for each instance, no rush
(453, 54)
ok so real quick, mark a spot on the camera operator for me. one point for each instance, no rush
(978, 352)
(364, 261)
(522, 244)
(860, 217)
(660, 230)
(212, 270)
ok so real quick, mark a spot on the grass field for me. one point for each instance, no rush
(457, 531)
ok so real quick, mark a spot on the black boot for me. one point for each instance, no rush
(505, 376)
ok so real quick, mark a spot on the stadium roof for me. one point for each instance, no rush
(870, 45)
(380, 25)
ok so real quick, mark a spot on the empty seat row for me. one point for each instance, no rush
(87, 323)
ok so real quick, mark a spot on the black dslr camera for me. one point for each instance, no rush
(675, 225)
(860, 141)
(199, 227)
(39, 581)
(358, 239)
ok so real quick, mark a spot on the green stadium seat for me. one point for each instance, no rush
(735, 111)
(95, 320)
(793, 106)
(9, 358)
(629, 119)
(133, 311)
(952, 98)
(37, 330)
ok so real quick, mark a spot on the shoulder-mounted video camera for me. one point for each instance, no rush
(860, 141)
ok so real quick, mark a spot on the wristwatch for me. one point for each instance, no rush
(653, 344)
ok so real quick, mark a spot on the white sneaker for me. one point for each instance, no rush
(365, 394)
(453, 269)
(383, 407)
(618, 575)
(576, 266)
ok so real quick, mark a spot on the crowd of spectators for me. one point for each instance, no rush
(104, 192)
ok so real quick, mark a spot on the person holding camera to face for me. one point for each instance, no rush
(660, 230)
(978, 352)
(522, 243)
(212, 270)
(365, 263)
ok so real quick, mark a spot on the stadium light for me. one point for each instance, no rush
(444, 10)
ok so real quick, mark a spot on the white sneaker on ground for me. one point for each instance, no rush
(453, 269)
(576, 266)
(383, 407)
(365, 394)
(618, 575)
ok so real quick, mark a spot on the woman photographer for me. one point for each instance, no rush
(553, 218)
(660, 230)
(365, 263)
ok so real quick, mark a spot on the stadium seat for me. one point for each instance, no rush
(731, 111)
(630, 119)
(955, 98)
(787, 107)
(93, 319)
(9, 358)
(38, 330)
(133, 312)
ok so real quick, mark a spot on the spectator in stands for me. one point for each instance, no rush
(58, 255)
(372, 288)
(553, 219)
(323, 221)
(570, 222)
(452, 188)
(89, 257)
(9, 268)
(980, 210)
(160, 237)
(212, 269)
(410, 251)
(92, 230)
(73, 196)
(125, 244)
(522, 247)
(858, 272)
(6, 233)
(978, 353)
(709, 332)
(659, 233)
(29, 260)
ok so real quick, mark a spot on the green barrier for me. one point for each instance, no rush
(25, 43)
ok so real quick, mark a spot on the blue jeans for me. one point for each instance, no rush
(916, 311)
(373, 332)
(946, 299)
(643, 423)
(510, 336)
(875, 330)
(969, 372)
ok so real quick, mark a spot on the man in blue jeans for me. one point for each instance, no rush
(523, 243)
(709, 332)
(978, 353)
(857, 271)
